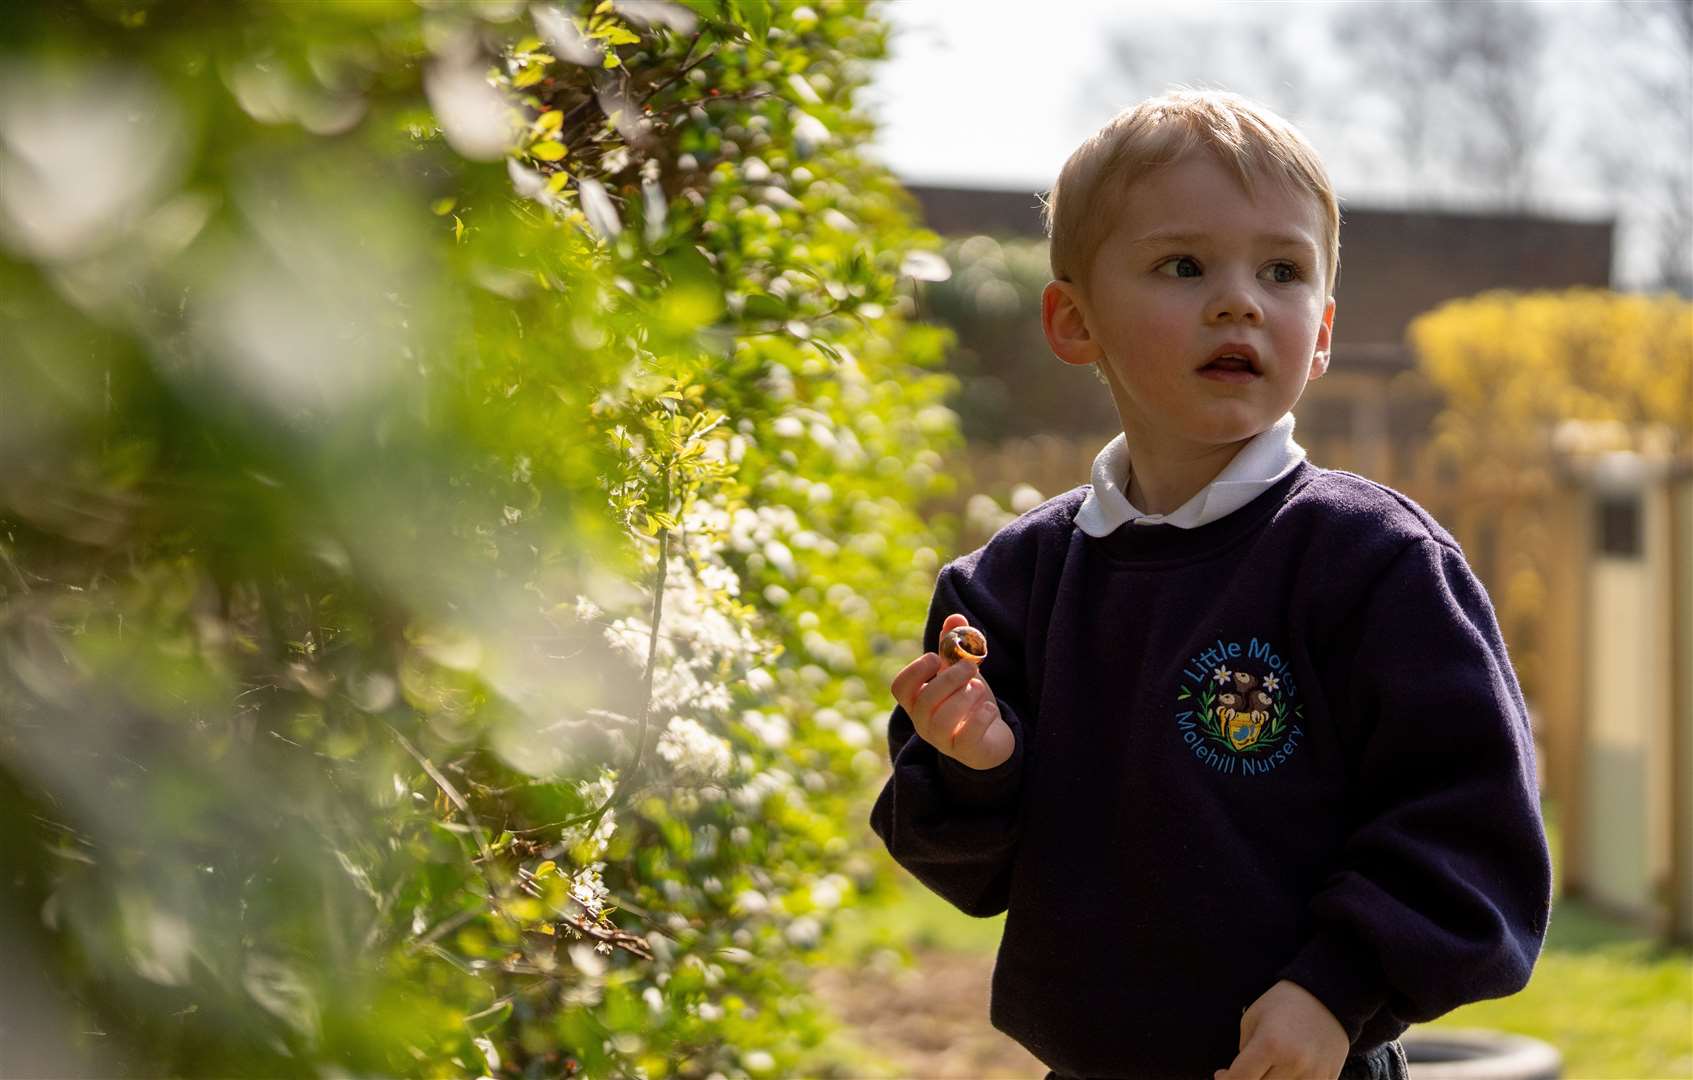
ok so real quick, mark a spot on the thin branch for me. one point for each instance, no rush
(445, 927)
(554, 852)
(451, 792)
(681, 72)
(23, 582)
(620, 939)
(627, 776)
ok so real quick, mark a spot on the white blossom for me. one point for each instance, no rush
(720, 579)
(781, 558)
(692, 750)
(773, 731)
(804, 932)
(594, 793)
(586, 959)
(751, 795)
(828, 718)
(588, 889)
(826, 894)
(751, 902)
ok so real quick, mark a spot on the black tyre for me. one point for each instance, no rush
(1443, 1054)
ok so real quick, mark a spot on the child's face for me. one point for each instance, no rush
(1190, 267)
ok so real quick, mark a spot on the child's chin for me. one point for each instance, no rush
(1238, 425)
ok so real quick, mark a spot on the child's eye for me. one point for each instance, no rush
(1284, 273)
(1178, 266)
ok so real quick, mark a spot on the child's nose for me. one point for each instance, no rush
(1234, 303)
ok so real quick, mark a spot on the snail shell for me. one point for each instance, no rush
(964, 643)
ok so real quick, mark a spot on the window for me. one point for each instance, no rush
(1619, 526)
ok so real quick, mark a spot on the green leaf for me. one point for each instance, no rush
(756, 14)
(765, 306)
(705, 9)
(547, 150)
(489, 1019)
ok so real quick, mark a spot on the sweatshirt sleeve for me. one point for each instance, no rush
(953, 827)
(1443, 889)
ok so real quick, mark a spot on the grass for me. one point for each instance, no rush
(1616, 1003)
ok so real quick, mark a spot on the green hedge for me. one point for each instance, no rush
(457, 482)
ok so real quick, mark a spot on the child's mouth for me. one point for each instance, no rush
(1229, 370)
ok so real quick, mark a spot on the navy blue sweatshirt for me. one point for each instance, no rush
(1287, 744)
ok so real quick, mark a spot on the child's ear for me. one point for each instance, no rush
(1325, 333)
(1065, 323)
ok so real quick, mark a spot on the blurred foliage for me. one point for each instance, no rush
(1512, 366)
(1530, 383)
(457, 469)
(1010, 383)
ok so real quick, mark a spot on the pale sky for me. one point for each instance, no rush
(997, 93)
(982, 92)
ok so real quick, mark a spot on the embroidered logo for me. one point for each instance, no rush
(1240, 711)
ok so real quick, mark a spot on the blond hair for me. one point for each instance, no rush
(1245, 136)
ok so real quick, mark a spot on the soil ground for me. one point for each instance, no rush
(929, 1021)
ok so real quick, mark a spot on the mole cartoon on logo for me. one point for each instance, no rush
(1243, 712)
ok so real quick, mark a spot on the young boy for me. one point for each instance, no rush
(1246, 764)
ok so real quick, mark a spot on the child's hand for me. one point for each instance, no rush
(1288, 1034)
(953, 709)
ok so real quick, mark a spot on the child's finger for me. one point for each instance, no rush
(952, 622)
(970, 730)
(911, 679)
(956, 713)
(936, 691)
(1252, 1063)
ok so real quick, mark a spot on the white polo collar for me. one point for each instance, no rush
(1263, 461)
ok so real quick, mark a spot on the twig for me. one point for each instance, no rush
(445, 927)
(620, 939)
(6, 554)
(556, 850)
(626, 777)
(681, 72)
(451, 792)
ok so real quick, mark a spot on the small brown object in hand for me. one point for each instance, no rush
(964, 643)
